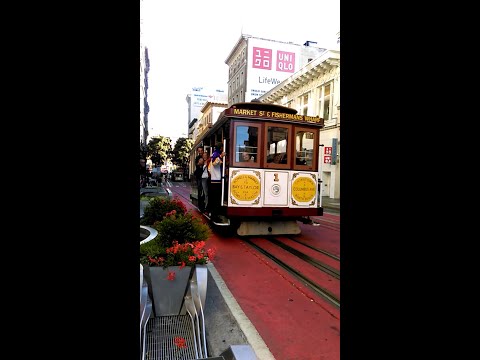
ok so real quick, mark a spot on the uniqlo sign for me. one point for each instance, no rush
(285, 61)
(328, 150)
(268, 64)
(262, 58)
(327, 159)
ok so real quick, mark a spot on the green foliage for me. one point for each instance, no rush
(158, 207)
(159, 149)
(151, 248)
(181, 152)
(180, 241)
(183, 228)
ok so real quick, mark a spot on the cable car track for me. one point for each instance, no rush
(314, 248)
(318, 264)
(324, 293)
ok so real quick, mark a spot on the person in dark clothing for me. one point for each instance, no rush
(198, 177)
(215, 190)
(205, 182)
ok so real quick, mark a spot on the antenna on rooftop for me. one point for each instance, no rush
(308, 42)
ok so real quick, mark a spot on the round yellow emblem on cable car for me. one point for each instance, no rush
(303, 189)
(245, 187)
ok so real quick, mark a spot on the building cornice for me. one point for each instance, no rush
(242, 38)
(312, 70)
(212, 104)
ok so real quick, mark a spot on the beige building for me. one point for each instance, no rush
(314, 90)
(196, 101)
(208, 116)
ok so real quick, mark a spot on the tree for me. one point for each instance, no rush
(181, 152)
(159, 150)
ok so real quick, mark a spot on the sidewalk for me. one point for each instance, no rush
(331, 205)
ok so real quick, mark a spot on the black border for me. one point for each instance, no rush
(74, 126)
(396, 208)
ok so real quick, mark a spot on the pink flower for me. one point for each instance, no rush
(171, 275)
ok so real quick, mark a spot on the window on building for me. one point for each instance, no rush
(326, 103)
(305, 104)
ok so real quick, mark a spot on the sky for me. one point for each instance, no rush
(188, 42)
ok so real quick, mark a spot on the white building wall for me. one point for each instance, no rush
(196, 100)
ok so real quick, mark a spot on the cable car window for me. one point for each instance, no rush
(277, 145)
(306, 148)
(304, 145)
(246, 143)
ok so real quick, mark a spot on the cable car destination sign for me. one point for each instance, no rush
(274, 115)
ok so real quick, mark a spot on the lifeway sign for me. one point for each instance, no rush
(274, 115)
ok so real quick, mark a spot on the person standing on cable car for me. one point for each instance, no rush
(215, 193)
(205, 183)
(198, 176)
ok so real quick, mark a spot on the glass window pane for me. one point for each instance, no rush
(326, 110)
(276, 147)
(304, 141)
(247, 143)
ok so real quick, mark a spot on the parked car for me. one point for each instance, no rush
(177, 176)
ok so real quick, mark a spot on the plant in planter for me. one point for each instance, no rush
(159, 206)
(170, 257)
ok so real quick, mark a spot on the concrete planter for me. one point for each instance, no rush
(167, 295)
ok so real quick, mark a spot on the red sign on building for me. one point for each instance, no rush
(328, 150)
(327, 159)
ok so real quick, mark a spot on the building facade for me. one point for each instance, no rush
(144, 67)
(314, 90)
(256, 65)
(196, 100)
(209, 116)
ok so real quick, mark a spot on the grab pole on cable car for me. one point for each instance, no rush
(223, 172)
(320, 174)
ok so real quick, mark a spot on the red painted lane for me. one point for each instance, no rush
(312, 273)
(331, 218)
(293, 324)
(335, 264)
(325, 239)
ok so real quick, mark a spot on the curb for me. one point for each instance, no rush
(253, 337)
